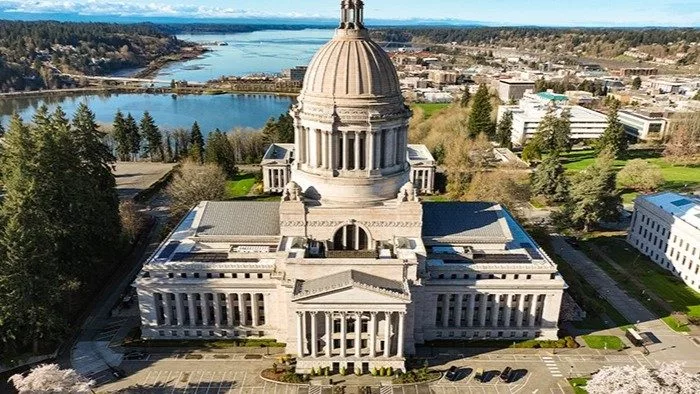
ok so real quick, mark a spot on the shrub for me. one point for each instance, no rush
(327, 371)
(389, 371)
(358, 371)
(343, 371)
(382, 371)
(373, 371)
(291, 377)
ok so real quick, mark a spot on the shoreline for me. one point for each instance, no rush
(139, 90)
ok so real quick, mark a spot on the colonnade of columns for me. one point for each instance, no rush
(423, 179)
(276, 178)
(351, 150)
(490, 310)
(210, 309)
(350, 334)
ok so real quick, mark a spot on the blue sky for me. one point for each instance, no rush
(531, 12)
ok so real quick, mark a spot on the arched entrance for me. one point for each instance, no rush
(350, 237)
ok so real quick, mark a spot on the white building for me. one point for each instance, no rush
(586, 124)
(513, 89)
(643, 125)
(350, 269)
(666, 228)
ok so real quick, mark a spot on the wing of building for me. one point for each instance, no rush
(349, 268)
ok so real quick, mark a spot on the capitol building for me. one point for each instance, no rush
(350, 268)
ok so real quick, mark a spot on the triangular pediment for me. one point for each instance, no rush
(352, 295)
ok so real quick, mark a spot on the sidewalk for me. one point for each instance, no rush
(629, 307)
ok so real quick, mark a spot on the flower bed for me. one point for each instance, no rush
(284, 376)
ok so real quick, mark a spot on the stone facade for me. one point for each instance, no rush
(350, 268)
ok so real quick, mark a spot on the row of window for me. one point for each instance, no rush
(485, 276)
(200, 333)
(210, 275)
(487, 334)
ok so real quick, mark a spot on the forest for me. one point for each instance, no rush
(32, 54)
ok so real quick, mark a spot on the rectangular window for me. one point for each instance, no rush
(183, 275)
(528, 276)
(516, 276)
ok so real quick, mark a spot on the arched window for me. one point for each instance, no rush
(350, 237)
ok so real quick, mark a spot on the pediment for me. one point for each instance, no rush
(353, 295)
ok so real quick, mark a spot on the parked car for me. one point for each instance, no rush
(505, 375)
(135, 355)
(118, 373)
(479, 374)
(451, 373)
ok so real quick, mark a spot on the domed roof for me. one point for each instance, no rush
(351, 65)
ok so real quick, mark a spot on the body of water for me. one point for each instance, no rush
(225, 112)
(267, 51)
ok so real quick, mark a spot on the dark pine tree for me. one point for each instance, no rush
(480, 117)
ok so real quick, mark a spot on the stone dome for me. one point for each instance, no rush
(351, 65)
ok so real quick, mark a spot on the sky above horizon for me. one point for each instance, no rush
(509, 12)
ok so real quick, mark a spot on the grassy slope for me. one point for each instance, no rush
(431, 108)
(240, 185)
(603, 342)
(654, 278)
(679, 178)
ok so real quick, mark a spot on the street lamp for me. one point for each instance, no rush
(571, 370)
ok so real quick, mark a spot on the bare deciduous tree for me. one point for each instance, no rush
(49, 378)
(639, 174)
(626, 379)
(194, 183)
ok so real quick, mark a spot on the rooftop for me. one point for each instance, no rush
(418, 153)
(473, 221)
(278, 152)
(346, 279)
(222, 218)
(684, 207)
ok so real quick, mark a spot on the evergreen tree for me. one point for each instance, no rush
(169, 155)
(466, 97)
(280, 130)
(504, 130)
(132, 131)
(614, 136)
(121, 137)
(636, 83)
(593, 196)
(480, 116)
(219, 151)
(2, 130)
(196, 144)
(152, 136)
(562, 132)
(549, 179)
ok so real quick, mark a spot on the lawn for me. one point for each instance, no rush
(579, 385)
(603, 342)
(654, 278)
(678, 178)
(429, 109)
(240, 185)
(675, 324)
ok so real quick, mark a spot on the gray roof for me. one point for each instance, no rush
(471, 220)
(348, 279)
(239, 218)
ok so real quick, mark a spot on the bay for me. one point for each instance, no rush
(260, 52)
(225, 112)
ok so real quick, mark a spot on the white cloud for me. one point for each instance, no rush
(128, 8)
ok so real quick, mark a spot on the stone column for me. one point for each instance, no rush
(494, 309)
(205, 308)
(192, 309)
(482, 309)
(317, 148)
(373, 334)
(357, 151)
(399, 346)
(387, 334)
(324, 149)
(399, 146)
(390, 148)
(346, 150)
(300, 333)
(378, 147)
(533, 310)
(458, 310)
(343, 335)
(230, 310)
(550, 309)
(358, 334)
(241, 309)
(217, 310)
(520, 311)
(329, 335)
(297, 142)
(314, 338)
(167, 309)
(331, 150)
(180, 309)
(266, 178)
(445, 309)
(470, 310)
(254, 309)
(507, 311)
(370, 150)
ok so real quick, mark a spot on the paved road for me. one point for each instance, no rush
(629, 307)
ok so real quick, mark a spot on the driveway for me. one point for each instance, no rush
(629, 307)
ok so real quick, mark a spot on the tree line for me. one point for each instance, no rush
(60, 226)
(31, 53)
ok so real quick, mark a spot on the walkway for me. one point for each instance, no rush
(629, 307)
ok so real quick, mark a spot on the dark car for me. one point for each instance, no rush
(135, 355)
(505, 375)
(118, 373)
(451, 373)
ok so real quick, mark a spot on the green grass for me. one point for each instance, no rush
(654, 278)
(429, 109)
(579, 385)
(205, 344)
(603, 342)
(240, 185)
(675, 324)
(676, 177)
